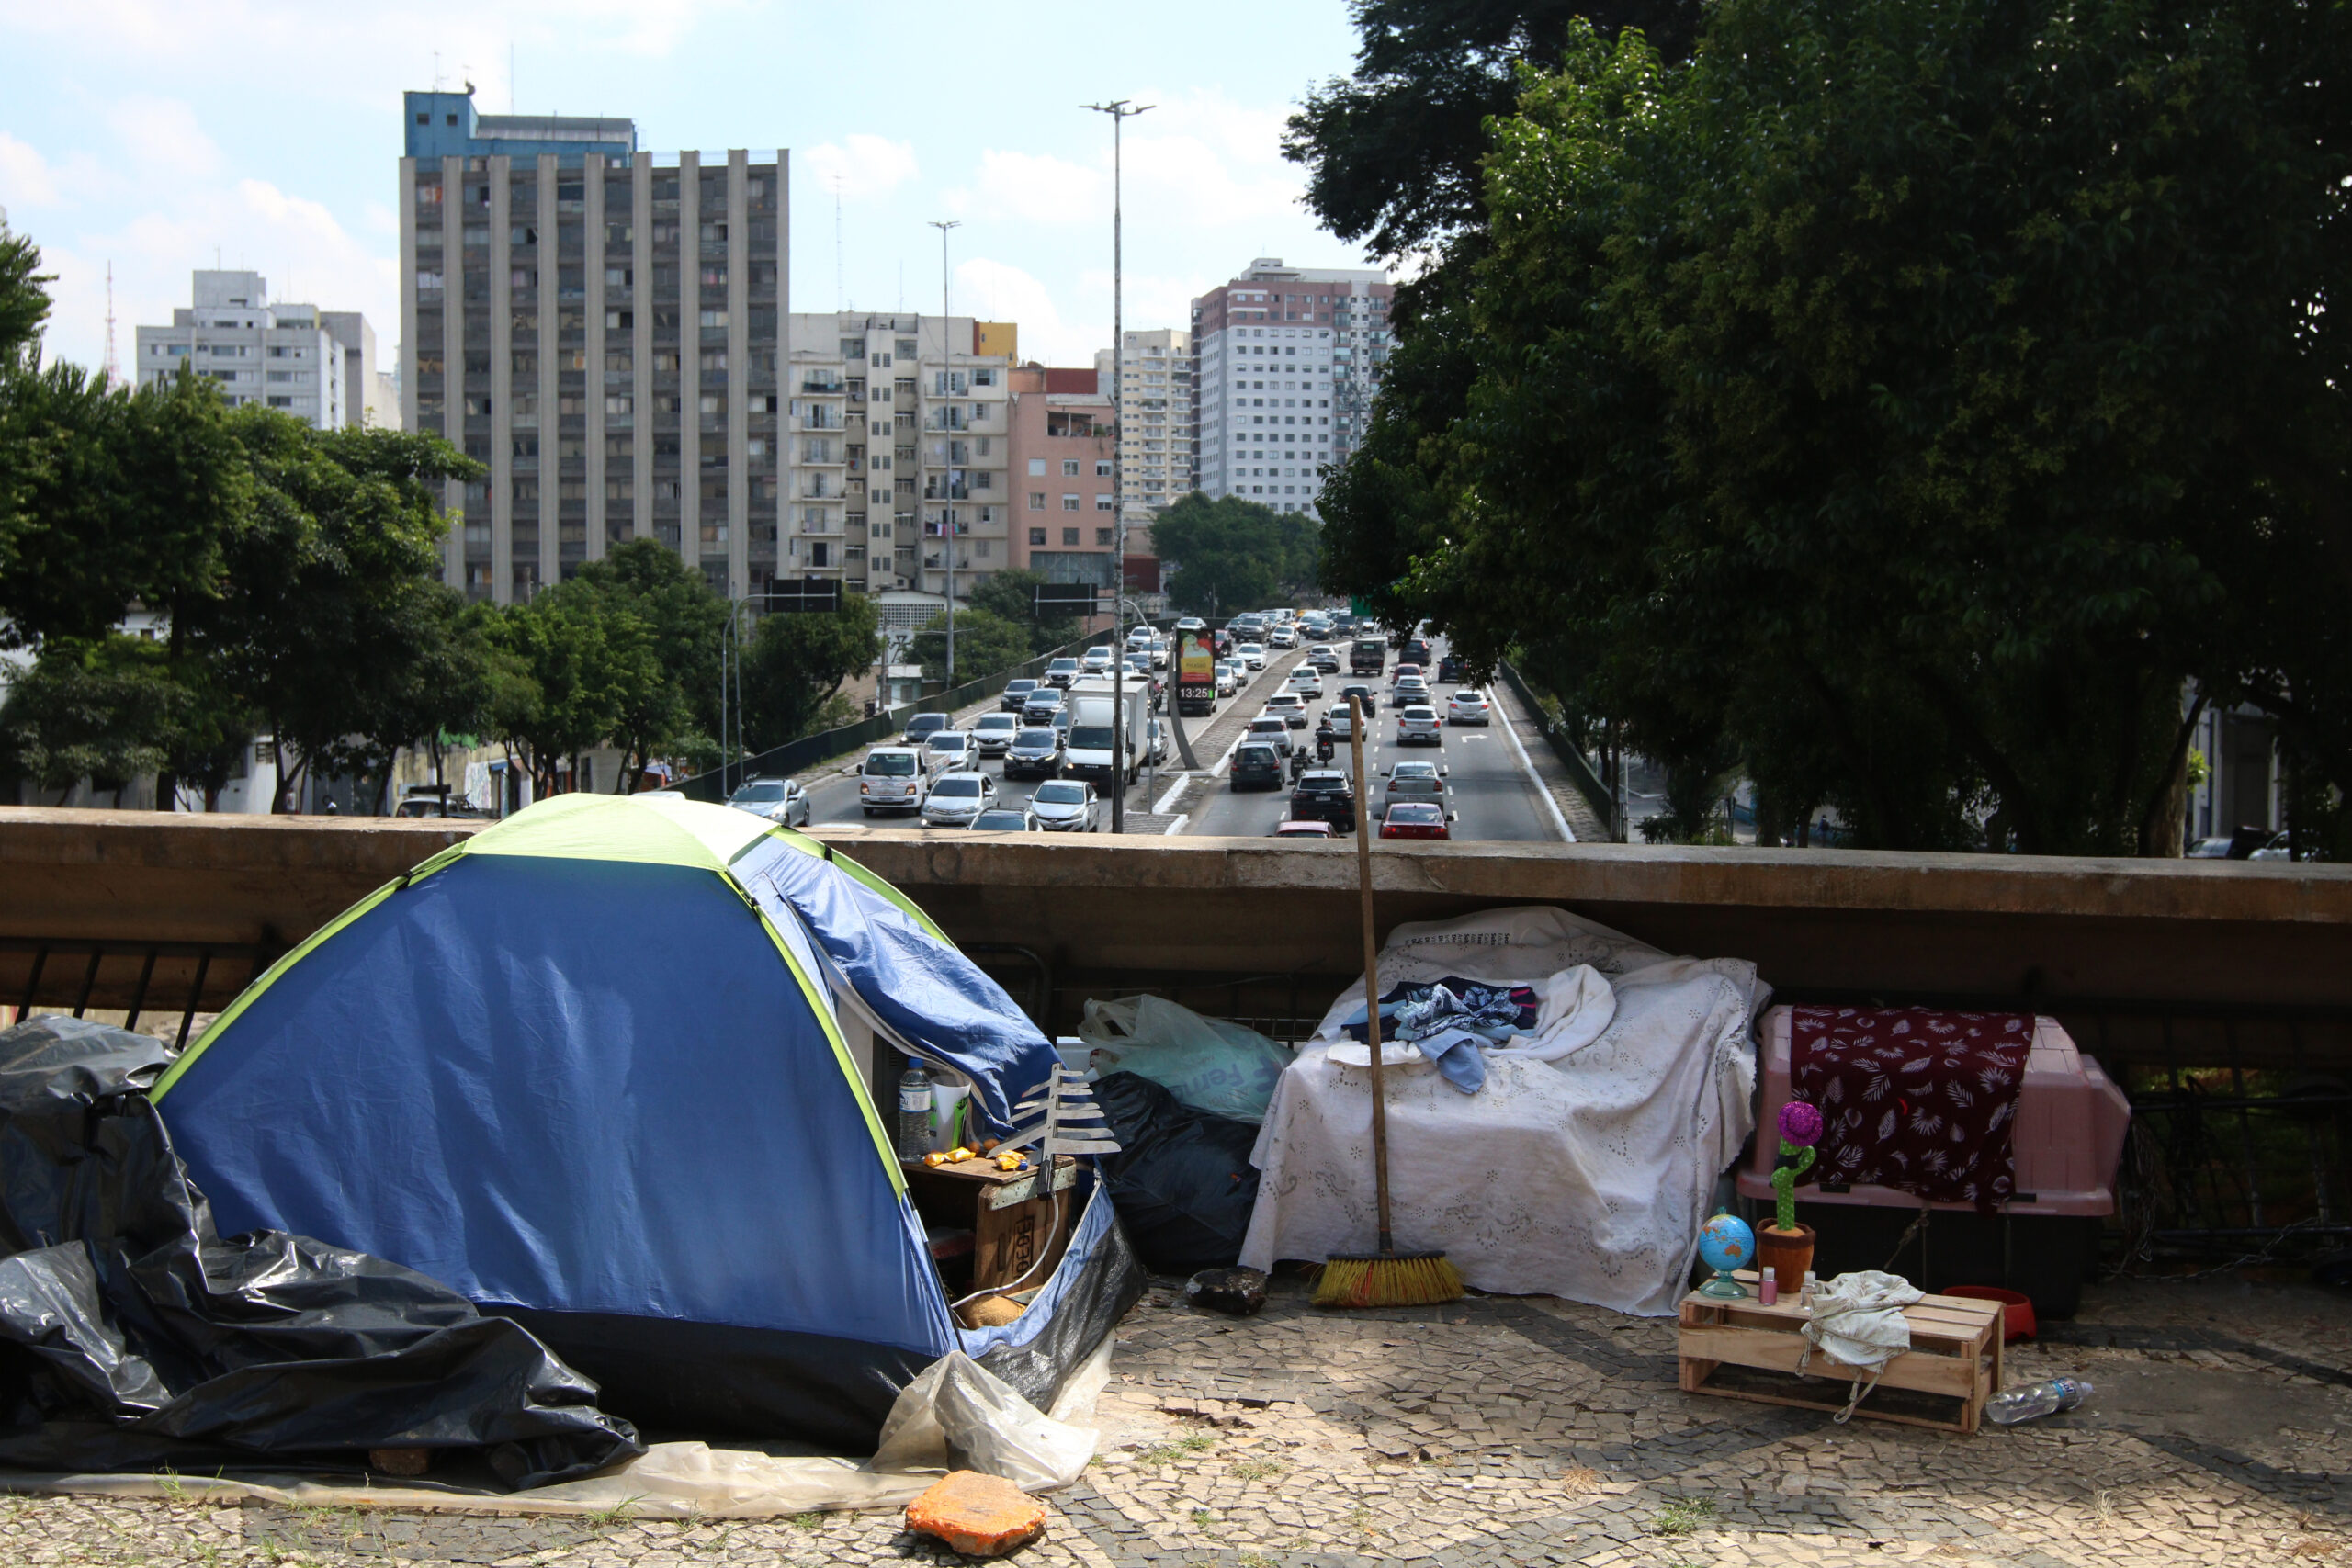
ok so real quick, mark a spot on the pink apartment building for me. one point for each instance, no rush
(1065, 508)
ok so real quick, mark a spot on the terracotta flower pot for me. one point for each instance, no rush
(1787, 1253)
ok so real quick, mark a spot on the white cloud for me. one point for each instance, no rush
(992, 290)
(163, 134)
(25, 177)
(1037, 187)
(867, 167)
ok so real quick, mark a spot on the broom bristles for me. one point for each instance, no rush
(1419, 1278)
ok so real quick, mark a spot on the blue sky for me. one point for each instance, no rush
(152, 132)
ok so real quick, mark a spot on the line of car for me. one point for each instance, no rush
(1417, 802)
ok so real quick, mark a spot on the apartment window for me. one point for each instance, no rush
(1101, 471)
(1102, 537)
(1102, 503)
(984, 377)
(1070, 468)
(1070, 504)
(907, 347)
(1037, 466)
(714, 318)
(1070, 536)
(1037, 535)
(1037, 504)
(852, 348)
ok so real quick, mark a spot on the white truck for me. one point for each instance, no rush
(1094, 722)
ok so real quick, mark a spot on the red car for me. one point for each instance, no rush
(1413, 819)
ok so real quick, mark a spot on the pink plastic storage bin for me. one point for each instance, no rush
(2070, 1127)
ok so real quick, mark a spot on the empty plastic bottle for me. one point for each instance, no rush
(2008, 1408)
(914, 1112)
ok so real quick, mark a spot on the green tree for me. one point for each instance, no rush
(1013, 596)
(1233, 555)
(105, 711)
(575, 660)
(985, 645)
(1913, 400)
(794, 664)
(686, 622)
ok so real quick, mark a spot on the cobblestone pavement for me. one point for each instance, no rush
(1520, 1431)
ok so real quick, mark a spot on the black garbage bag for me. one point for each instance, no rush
(132, 1336)
(1182, 1180)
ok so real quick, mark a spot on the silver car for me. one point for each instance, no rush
(955, 798)
(994, 732)
(1420, 783)
(948, 750)
(1467, 705)
(1066, 805)
(1419, 726)
(778, 800)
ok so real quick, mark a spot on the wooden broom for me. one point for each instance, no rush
(1385, 1277)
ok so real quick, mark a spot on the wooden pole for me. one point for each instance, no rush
(1371, 976)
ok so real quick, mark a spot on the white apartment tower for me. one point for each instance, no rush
(319, 366)
(1286, 363)
(1155, 412)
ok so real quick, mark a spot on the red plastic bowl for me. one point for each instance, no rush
(2017, 1311)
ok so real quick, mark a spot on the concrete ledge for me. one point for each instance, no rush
(2191, 934)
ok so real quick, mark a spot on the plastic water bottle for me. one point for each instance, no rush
(914, 1112)
(2006, 1409)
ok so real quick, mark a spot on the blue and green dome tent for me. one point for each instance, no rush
(587, 1067)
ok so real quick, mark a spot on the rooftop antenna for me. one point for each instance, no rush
(110, 375)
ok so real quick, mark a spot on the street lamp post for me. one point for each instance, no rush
(1120, 111)
(946, 490)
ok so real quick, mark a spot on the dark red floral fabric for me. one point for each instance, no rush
(1919, 1101)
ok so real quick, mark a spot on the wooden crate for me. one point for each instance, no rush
(1955, 1352)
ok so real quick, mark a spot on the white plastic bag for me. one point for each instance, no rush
(1210, 1063)
(958, 1416)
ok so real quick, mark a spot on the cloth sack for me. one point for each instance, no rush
(1858, 1319)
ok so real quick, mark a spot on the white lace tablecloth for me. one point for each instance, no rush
(1584, 1176)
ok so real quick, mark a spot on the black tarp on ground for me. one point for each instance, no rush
(132, 1336)
(1182, 1180)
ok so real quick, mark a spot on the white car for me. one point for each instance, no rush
(948, 750)
(1252, 655)
(994, 732)
(1274, 731)
(1157, 751)
(1065, 805)
(955, 798)
(778, 800)
(1466, 706)
(1228, 677)
(1159, 652)
(1417, 726)
(1095, 660)
(1288, 706)
(1305, 682)
(891, 779)
(1139, 637)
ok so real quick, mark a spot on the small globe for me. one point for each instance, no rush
(1726, 1243)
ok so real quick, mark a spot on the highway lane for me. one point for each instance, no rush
(1493, 791)
(833, 798)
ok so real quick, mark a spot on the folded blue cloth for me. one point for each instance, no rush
(1456, 1054)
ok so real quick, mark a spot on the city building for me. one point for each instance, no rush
(1065, 508)
(898, 454)
(319, 366)
(611, 331)
(1155, 416)
(1286, 363)
(600, 326)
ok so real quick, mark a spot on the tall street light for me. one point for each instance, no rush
(1120, 111)
(946, 486)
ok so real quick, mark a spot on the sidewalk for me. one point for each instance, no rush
(1528, 731)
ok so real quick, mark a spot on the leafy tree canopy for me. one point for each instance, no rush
(985, 644)
(1233, 555)
(1910, 400)
(796, 662)
(1013, 596)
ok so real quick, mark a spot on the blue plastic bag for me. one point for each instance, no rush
(1209, 1063)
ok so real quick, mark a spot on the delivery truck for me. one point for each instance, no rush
(1096, 719)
